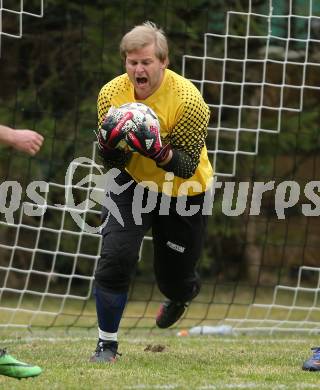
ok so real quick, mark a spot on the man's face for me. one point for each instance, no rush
(145, 71)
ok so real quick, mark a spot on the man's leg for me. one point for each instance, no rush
(178, 243)
(112, 280)
(116, 266)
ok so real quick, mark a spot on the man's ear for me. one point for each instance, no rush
(165, 64)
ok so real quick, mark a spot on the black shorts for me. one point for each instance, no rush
(177, 241)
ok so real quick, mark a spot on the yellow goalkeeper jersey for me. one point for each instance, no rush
(183, 117)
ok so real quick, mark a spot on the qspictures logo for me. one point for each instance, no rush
(102, 188)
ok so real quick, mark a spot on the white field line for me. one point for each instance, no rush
(217, 386)
(222, 339)
(28, 339)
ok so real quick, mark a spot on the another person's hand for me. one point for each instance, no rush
(27, 141)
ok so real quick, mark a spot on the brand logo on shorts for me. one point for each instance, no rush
(176, 247)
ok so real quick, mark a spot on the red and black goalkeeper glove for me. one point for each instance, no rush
(113, 131)
(146, 141)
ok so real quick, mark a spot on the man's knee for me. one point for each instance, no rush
(119, 256)
(116, 264)
(113, 274)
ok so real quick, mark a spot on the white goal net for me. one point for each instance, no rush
(16, 12)
(227, 77)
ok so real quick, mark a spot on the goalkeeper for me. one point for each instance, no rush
(180, 158)
(30, 142)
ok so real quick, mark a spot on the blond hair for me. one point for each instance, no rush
(144, 35)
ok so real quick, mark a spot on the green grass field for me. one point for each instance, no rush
(198, 362)
(201, 362)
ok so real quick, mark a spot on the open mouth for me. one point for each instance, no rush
(141, 80)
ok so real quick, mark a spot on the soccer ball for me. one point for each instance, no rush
(140, 113)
